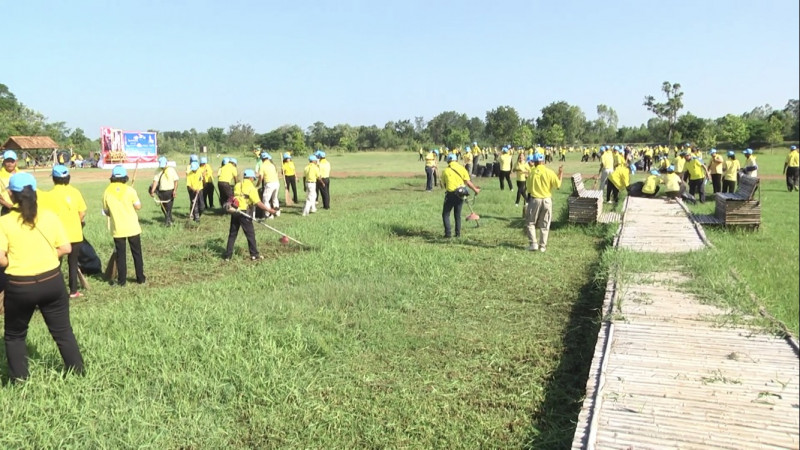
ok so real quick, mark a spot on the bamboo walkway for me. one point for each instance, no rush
(668, 372)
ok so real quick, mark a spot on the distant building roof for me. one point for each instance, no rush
(29, 143)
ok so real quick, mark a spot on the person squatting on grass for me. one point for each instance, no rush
(268, 178)
(454, 178)
(674, 186)
(539, 209)
(245, 198)
(730, 173)
(226, 178)
(505, 168)
(120, 203)
(310, 181)
(650, 187)
(194, 187)
(70, 208)
(165, 185)
(31, 243)
(619, 179)
(324, 180)
(792, 169)
(289, 175)
(521, 170)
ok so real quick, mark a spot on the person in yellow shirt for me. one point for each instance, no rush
(468, 157)
(477, 154)
(792, 169)
(730, 173)
(651, 184)
(120, 203)
(619, 180)
(165, 185)
(289, 173)
(606, 165)
(750, 165)
(539, 208)
(9, 168)
(31, 241)
(310, 180)
(194, 186)
(521, 170)
(207, 173)
(268, 178)
(226, 178)
(324, 181)
(245, 198)
(430, 170)
(715, 168)
(456, 180)
(698, 174)
(680, 166)
(505, 168)
(70, 208)
(674, 186)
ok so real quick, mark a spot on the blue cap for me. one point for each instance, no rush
(731, 153)
(671, 168)
(320, 154)
(225, 160)
(264, 155)
(467, 149)
(162, 162)
(9, 154)
(249, 173)
(794, 147)
(317, 153)
(474, 142)
(451, 157)
(18, 181)
(312, 158)
(748, 151)
(194, 166)
(192, 158)
(538, 157)
(233, 161)
(712, 151)
(529, 158)
(436, 150)
(654, 172)
(60, 171)
(287, 156)
(119, 172)
(203, 160)
(505, 149)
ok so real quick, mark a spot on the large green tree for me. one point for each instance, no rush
(733, 129)
(667, 110)
(439, 127)
(501, 123)
(569, 117)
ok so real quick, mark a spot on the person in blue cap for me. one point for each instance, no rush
(165, 185)
(430, 170)
(730, 173)
(311, 180)
(750, 168)
(245, 199)
(32, 240)
(651, 186)
(324, 181)
(539, 207)
(456, 180)
(9, 168)
(208, 183)
(120, 203)
(70, 207)
(791, 167)
(289, 172)
(506, 161)
(194, 187)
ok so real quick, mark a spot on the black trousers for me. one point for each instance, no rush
(208, 195)
(792, 178)
(135, 242)
(325, 192)
(452, 202)
(520, 191)
(246, 224)
(225, 192)
(648, 161)
(72, 264)
(428, 178)
(653, 194)
(196, 207)
(728, 186)
(505, 175)
(291, 182)
(23, 295)
(611, 192)
(716, 182)
(696, 187)
(167, 201)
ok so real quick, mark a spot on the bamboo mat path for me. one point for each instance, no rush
(668, 373)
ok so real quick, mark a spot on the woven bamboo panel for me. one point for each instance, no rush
(584, 210)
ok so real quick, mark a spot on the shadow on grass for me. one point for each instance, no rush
(553, 424)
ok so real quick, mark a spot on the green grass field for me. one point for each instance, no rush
(380, 334)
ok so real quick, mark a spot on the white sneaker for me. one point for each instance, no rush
(516, 204)
(608, 202)
(305, 214)
(542, 249)
(533, 247)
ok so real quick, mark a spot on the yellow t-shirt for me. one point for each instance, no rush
(194, 180)
(467, 158)
(247, 194)
(324, 168)
(695, 169)
(680, 164)
(207, 173)
(732, 167)
(541, 182)
(672, 182)
(607, 160)
(454, 176)
(650, 184)
(620, 177)
(430, 159)
(311, 173)
(268, 172)
(715, 166)
(227, 174)
(505, 162)
(31, 251)
(793, 159)
(522, 169)
(4, 177)
(165, 179)
(619, 159)
(119, 200)
(67, 203)
(288, 168)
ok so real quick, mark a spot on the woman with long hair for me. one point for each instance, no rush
(31, 243)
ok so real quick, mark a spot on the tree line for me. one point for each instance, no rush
(560, 123)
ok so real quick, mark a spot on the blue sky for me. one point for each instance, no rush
(174, 65)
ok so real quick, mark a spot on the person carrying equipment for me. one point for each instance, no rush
(120, 203)
(31, 241)
(245, 197)
(792, 169)
(226, 178)
(454, 178)
(165, 185)
(539, 208)
(268, 178)
(194, 186)
(70, 208)
(750, 165)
